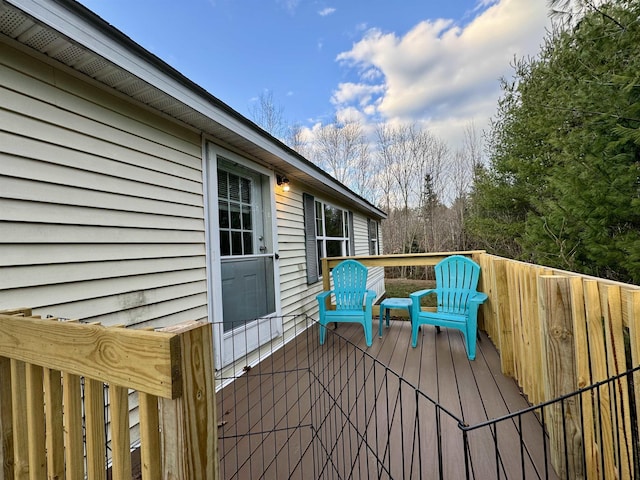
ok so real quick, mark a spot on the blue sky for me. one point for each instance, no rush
(437, 62)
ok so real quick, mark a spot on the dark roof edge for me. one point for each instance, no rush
(111, 31)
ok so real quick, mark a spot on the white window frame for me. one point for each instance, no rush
(322, 237)
(374, 245)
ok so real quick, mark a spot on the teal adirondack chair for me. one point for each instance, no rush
(457, 299)
(353, 301)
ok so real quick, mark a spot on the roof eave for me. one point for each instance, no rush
(83, 27)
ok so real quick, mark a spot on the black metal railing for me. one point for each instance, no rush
(301, 410)
(600, 450)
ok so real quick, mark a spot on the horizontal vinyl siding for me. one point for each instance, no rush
(101, 203)
(375, 276)
(296, 296)
(361, 234)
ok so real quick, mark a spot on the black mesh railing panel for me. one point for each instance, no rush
(334, 411)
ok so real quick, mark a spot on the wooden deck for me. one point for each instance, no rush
(390, 411)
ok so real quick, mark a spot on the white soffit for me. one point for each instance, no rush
(66, 31)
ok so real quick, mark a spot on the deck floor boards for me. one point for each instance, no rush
(362, 406)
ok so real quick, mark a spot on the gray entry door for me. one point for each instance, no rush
(246, 260)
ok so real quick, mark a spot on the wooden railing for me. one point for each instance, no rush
(398, 260)
(558, 332)
(52, 399)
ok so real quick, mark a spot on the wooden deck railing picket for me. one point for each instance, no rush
(52, 401)
(557, 332)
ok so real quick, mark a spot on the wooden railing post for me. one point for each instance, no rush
(6, 421)
(19, 412)
(326, 278)
(504, 321)
(583, 374)
(633, 312)
(7, 461)
(189, 438)
(602, 449)
(616, 359)
(326, 281)
(563, 423)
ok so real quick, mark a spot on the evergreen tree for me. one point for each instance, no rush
(563, 185)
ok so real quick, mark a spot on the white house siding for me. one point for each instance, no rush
(291, 248)
(296, 296)
(375, 277)
(101, 202)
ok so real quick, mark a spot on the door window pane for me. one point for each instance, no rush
(225, 244)
(235, 213)
(247, 243)
(234, 187)
(235, 216)
(223, 214)
(223, 184)
(246, 190)
(236, 243)
(246, 218)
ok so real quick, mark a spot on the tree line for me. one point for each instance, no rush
(562, 186)
(556, 178)
(404, 169)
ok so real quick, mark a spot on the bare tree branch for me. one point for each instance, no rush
(266, 114)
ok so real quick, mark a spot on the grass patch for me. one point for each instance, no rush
(402, 287)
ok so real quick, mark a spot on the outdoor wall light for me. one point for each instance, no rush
(283, 182)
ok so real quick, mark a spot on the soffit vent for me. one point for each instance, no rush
(19, 26)
(12, 22)
(70, 55)
(27, 31)
(38, 38)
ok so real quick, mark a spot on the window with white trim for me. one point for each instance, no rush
(373, 237)
(332, 231)
(328, 232)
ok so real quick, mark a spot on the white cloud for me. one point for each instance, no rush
(326, 11)
(442, 72)
(350, 93)
(350, 114)
(289, 5)
(371, 74)
(485, 3)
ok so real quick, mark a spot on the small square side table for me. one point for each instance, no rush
(389, 304)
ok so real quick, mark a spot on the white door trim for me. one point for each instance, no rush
(261, 327)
